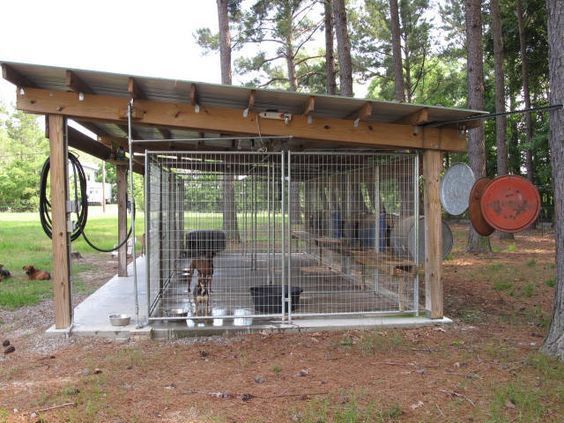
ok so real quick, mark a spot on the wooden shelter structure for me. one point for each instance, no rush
(182, 115)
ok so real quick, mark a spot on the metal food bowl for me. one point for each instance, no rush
(119, 319)
(178, 312)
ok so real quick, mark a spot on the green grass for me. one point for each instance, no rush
(347, 409)
(529, 290)
(502, 285)
(517, 402)
(550, 282)
(511, 248)
(22, 241)
(276, 369)
(4, 414)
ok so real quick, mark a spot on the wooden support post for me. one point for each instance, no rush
(432, 163)
(60, 239)
(121, 174)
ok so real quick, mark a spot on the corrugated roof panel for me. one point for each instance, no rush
(50, 77)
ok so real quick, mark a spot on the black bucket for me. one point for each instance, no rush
(268, 298)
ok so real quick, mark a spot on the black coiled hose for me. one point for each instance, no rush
(81, 204)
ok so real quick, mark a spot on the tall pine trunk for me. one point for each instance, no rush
(329, 50)
(526, 91)
(500, 121)
(476, 141)
(399, 89)
(230, 225)
(291, 65)
(295, 208)
(554, 342)
(343, 47)
(224, 41)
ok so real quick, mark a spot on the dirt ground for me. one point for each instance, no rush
(484, 367)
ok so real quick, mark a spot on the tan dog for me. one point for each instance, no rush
(35, 274)
(204, 266)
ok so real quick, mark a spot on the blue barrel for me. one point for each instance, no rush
(367, 233)
(337, 224)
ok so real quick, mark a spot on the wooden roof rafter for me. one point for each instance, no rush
(417, 118)
(76, 84)
(134, 133)
(250, 104)
(362, 114)
(309, 108)
(134, 89)
(16, 78)
(165, 133)
(194, 98)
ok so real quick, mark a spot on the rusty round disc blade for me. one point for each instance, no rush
(476, 218)
(510, 203)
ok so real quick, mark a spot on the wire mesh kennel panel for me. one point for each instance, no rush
(354, 232)
(216, 221)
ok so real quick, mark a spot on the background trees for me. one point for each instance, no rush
(23, 149)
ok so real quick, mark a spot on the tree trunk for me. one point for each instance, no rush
(500, 121)
(526, 92)
(554, 342)
(513, 147)
(476, 143)
(343, 47)
(329, 50)
(230, 224)
(399, 89)
(224, 41)
(291, 65)
(295, 208)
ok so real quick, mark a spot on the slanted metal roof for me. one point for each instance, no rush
(158, 89)
(214, 95)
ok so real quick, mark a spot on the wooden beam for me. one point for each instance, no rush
(74, 83)
(230, 121)
(16, 78)
(362, 114)
(121, 176)
(134, 134)
(417, 118)
(86, 144)
(165, 132)
(251, 104)
(134, 89)
(309, 106)
(60, 237)
(432, 164)
(194, 100)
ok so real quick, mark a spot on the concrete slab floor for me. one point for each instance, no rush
(117, 296)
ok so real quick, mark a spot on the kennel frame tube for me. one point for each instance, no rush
(283, 235)
(132, 202)
(147, 180)
(288, 299)
(416, 229)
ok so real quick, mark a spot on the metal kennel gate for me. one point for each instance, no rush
(284, 234)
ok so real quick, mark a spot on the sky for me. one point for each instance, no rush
(133, 37)
(141, 37)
